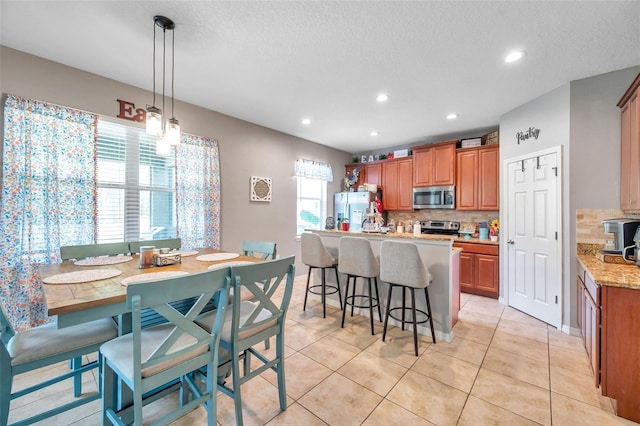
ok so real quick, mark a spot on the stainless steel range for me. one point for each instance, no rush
(445, 227)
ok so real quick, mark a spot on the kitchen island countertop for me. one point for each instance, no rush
(409, 235)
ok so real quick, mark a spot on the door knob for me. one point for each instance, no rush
(509, 241)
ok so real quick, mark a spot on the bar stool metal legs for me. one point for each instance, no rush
(414, 320)
(372, 301)
(323, 289)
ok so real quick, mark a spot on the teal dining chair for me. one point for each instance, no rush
(170, 243)
(155, 361)
(81, 252)
(93, 250)
(261, 249)
(43, 346)
(251, 322)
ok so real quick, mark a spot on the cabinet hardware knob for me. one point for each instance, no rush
(509, 241)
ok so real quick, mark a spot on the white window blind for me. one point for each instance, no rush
(136, 187)
(312, 204)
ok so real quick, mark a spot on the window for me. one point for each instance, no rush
(136, 187)
(312, 204)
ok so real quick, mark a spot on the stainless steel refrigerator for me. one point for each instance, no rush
(353, 205)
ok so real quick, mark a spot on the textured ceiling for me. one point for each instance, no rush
(273, 63)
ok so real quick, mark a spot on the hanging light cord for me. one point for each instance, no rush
(164, 57)
(154, 64)
(173, 65)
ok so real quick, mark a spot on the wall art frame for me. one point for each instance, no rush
(260, 189)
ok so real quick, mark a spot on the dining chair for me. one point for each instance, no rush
(252, 322)
(148, 359)
(262, 249)
(171, 243)
(43, 346)
(92, 250)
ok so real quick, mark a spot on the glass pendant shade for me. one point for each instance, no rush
(163, 147)
(154, 121)
(172, 131)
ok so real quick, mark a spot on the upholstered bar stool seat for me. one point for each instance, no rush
(316, 255)
(402, 267)
(356, 259)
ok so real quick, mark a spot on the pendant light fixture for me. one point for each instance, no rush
(155, 123)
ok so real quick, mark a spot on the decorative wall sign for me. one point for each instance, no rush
(128, 111)
(531, 132)
(260, 189)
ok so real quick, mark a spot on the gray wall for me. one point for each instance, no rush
(245, 149)
(594, 151)
(582, 117)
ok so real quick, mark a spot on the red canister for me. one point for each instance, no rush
(345, 226)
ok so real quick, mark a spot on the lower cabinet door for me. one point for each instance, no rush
(467, 272)
(487, 267)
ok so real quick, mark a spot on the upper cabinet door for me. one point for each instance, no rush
(434, 164)
(405, 188)
(444, 160)
(488, 179)
(467, 180)
(374, 174)
(630, 148)
(423, 167)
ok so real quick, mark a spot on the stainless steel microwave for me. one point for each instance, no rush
(434, 197)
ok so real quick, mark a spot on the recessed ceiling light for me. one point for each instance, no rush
(306, 121)
(382, 97)
(515, 56)
(452, 116)
(373, 133)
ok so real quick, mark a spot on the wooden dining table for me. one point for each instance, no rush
(77, 303)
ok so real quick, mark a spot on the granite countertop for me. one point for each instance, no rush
(409, 235)
(611, 274)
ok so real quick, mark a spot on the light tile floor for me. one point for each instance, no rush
(503, 367)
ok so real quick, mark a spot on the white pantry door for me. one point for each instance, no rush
(533, 235)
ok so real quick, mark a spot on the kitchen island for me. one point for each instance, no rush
(439, 256)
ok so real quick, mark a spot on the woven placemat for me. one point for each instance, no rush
(217, 256)
(152, 276)
(227, 264)
(100, 261)
(82, 276)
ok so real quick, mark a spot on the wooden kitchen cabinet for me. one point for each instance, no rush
(479, 269)
(434, 164)
(369, 173)
(397, 187)
(477, 178)
(630, 148)
(620, 366)
(374, 173)
(588, 300)
(609, 320)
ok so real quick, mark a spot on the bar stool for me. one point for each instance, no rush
(316, 255)
(357, 260)
(401, 266)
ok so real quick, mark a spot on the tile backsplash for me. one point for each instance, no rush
(589, 228)
(455, 215)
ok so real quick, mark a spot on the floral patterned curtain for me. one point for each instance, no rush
(48, 197)
(198, 192)
(313, 170)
